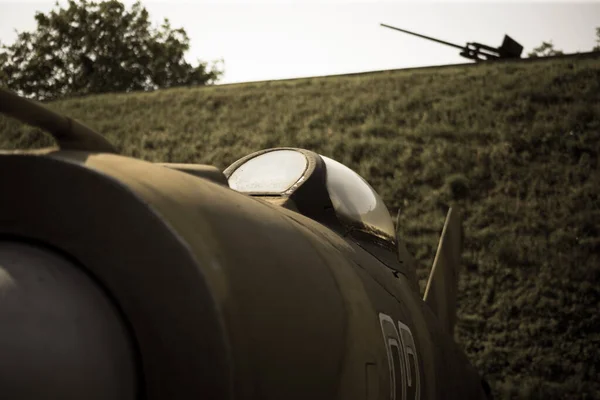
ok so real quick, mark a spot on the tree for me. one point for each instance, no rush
(546, 49)
(90, 47)
(597, 46)
(3, 62)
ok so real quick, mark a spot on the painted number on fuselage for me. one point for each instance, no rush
(405, 382)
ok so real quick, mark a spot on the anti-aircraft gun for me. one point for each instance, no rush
(477, 51)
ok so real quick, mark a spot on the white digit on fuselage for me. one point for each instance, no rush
(396, 364)
(400, 347)
(408, 344)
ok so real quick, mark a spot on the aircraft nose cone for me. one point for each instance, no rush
(60, 335)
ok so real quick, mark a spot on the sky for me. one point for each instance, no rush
(265, 40)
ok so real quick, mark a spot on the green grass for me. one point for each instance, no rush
(515, 144)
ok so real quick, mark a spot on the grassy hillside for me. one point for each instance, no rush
(516, 144)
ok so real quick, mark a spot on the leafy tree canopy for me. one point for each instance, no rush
(546, 49)
(597, 46)
(89, 47)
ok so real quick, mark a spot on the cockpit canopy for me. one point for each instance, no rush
(307, 177)
(355, 200)
(275, 172)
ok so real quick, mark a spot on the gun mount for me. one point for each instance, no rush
(476, 51)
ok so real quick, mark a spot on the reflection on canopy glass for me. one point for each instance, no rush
(355, 200)
(269, 173)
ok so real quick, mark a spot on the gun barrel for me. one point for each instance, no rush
(425, 37)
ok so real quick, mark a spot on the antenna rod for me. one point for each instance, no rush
(425, 37)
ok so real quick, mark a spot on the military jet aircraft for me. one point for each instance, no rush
(281, 277)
